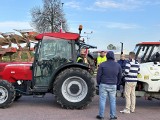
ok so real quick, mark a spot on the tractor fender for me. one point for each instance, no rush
(68, 65)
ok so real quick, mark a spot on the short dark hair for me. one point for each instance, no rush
(132, 55)
(101, 51)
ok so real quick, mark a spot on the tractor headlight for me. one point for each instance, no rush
(146, 77)
(139, 76)
(156, 73)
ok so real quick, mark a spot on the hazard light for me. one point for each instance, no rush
(80, 28)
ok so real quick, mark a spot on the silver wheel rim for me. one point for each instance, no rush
(79, 83)
(3, 94)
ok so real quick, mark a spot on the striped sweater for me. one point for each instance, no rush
(132, 69)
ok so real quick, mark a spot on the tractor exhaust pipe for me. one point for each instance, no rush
(121, 48)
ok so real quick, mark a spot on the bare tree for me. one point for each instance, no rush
(49, 17)
(111, 47)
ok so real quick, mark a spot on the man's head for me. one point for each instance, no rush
(83, 53)
(132, 55)
(110, 55)
(102, 53)
(122, 57)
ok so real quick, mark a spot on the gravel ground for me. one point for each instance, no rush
(29, 108)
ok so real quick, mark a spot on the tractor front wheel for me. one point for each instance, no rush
(74, 88)
(7, 93)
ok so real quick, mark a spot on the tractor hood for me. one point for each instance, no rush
(13, 71)
(150, 71)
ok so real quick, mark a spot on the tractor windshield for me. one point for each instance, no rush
(54, 48)
(147, 53)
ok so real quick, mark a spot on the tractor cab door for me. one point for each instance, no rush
(51, 53)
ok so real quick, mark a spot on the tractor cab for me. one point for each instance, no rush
(53, 51)
(148, 52)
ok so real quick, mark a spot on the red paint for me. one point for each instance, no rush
(13, 71)
(67, 36)
(149, 43)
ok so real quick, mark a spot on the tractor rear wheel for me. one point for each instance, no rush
(7, 93)
(74, 88)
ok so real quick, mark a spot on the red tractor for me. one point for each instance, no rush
(54, 70)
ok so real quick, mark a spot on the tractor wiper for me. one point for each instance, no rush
(84, 45)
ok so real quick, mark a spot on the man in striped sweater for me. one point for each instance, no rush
(132, 69)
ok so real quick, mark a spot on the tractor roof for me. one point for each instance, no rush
(149, 43)
(67, 36)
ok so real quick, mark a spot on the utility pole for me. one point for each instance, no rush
(61, 28)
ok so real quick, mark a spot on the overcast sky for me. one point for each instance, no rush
(112, 21)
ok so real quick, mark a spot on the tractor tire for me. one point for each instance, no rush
(7, 94)
(74, 88)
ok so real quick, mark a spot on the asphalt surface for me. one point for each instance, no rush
(29, 108)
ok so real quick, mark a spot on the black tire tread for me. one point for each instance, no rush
(69, 70)
(12, 93)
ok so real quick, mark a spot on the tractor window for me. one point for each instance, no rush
(146, 57)
(77, 50)
(146, 53)
(141, 52)
(154, 54)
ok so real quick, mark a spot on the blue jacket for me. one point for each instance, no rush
(109, 72)
(122, 64)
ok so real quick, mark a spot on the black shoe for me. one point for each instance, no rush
(114, 118)
(99, 117)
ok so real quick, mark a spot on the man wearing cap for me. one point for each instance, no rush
(101, 58)
(108, 77)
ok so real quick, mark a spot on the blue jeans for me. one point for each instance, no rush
(110, 91)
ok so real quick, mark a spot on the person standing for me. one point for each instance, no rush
(101, 58)
(122, 63)
(131, 71)
(108, 76)
(83, 57)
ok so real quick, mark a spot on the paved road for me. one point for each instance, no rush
(29, 108)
